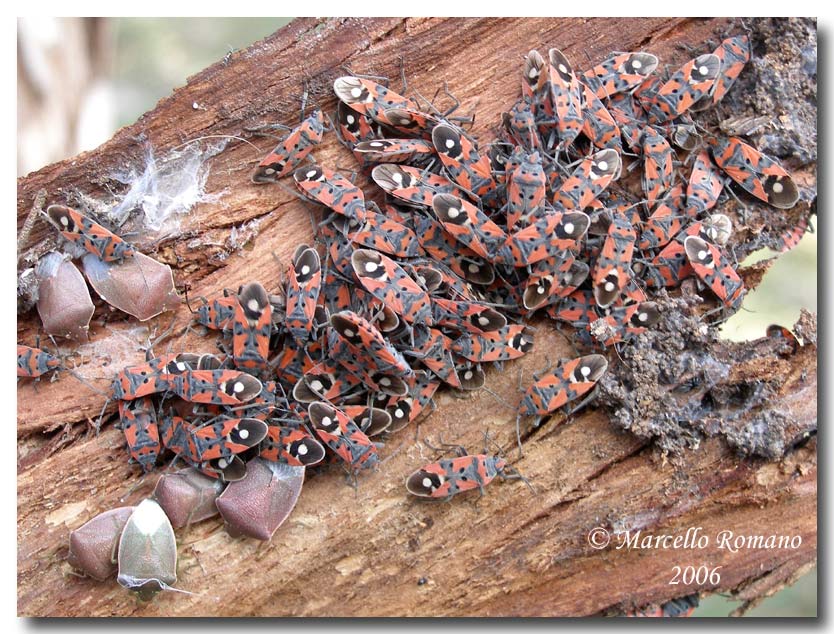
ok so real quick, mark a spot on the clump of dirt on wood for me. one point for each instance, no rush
(678, 384)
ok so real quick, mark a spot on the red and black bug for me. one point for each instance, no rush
(147, 378)
(757, 173)
(446, 478)
(547, 237)
(670, 266)
(466, 315)
(405, 409)
(526, 189)
(303, 288)
(434, 350)
(411, 185)
(734, 53)
(252, 328)
(469, 226)
(600, 126)
(658, 175)
(387, 281)
(519, 126)
(565, 383)
(34, 362)
(326, 380)
(714, 269)
(341, 352)
(561, 106)
(336, 429)
(468, 169)
(229, 469)
(683, 89)
(293, 446)
(553, 278)
(367, 343)
(78, 228)
(784, 336)
(270, 401)
(387, 235)
(413, 151)
(368, 97)
(613, 266)
(510, 342)
(629, 116)
(666, 220)
(371, 420)
(460, 259)
(704, 186)
(218, 387)
(791, 237)
(577, 309)
(293, 149)
(589, 180)
(139, 424)
(623, 323)
(413, 122)
(217, 314)
(222, 438)
(332, 190)
(620, 73)
(353, 127)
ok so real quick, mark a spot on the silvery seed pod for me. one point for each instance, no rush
(64, 303)
(93, 546)
(148, 551)
(259, 503)
(187, 496)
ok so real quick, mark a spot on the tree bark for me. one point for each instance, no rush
(376, 550)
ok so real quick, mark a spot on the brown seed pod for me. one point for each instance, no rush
(139, 286)
(64, 303)
(93, 546)
(187, 496)
(259, 503)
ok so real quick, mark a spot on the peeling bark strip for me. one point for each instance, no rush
(378, 551)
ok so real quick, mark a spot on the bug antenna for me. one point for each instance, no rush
(187, 303)
(101, 415)
(515, 474)
(518, 435)
(498, 398)
(218, 136)
(402, 75)
(387, 458)
(135, 486)
(460, 450)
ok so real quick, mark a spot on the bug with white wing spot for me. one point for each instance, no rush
(303, 288)
(343, 436)
(80, 229)
(292, 149)
(446, 478)
(252, 328)
(565, 383)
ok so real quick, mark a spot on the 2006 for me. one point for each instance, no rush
(688, 575)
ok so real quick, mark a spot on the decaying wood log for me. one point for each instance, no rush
(374, 550)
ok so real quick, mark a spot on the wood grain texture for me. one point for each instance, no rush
(362, 552)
